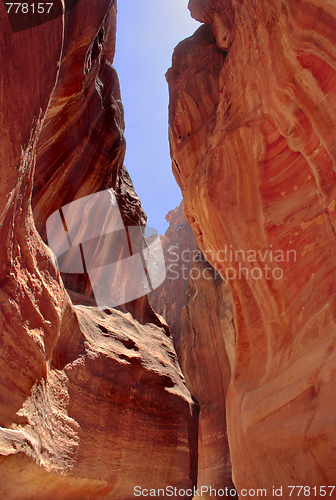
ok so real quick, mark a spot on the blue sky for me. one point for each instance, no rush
(147, 33)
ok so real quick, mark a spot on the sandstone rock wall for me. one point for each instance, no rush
(197, 305)
(252, 119)
(82, 146)
(92, 402)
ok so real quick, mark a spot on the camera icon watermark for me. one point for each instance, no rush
(123, 263)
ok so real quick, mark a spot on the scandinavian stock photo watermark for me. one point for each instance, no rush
(237, 264)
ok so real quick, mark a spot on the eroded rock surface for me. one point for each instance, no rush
(252, 119)
(82, 146)
(92, 402)
(180, 251)
(197, 305)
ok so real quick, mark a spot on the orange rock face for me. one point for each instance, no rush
(180, 249)
(197, 305)
(92, 402)
(82, 145)
(252, 119)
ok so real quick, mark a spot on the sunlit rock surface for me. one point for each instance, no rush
(180, 249)
(197, 305)
(92, 402)
(252, 131)
(82, 146)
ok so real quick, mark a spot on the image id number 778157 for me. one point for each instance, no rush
(40, 8)
(307, 491)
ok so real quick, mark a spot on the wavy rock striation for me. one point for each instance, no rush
(252, 120)
(82, 145)
(93, 402)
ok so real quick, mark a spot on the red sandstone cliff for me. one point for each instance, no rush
(92, 402)
(252, 120)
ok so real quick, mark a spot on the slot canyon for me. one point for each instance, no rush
(224, 375)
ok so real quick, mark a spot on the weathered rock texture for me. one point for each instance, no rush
(252, 130)
(82, 146)
(92, 402)
(180, 250)
(197, 305)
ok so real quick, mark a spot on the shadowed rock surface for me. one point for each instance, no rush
(197, 305)
(252, 121)
(92, 401)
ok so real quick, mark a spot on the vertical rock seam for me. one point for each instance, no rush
(197, 305)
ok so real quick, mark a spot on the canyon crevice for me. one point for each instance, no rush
(224, 376)
(197, 305)
(93, 401)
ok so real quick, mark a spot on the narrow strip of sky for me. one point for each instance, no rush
(147, 33)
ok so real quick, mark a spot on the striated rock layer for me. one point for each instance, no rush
(197, 305)
(92, 402)
(252, 120)
(82, 145)
(111, 418)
